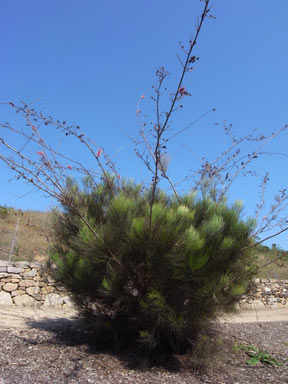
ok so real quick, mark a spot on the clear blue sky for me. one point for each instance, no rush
(88, 63)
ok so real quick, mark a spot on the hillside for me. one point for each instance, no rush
(31, 236)
(34, 234)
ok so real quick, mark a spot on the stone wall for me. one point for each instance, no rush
(266, 293)
(26, 283)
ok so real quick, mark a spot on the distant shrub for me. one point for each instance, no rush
(3, 212)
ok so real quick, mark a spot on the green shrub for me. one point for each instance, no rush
(155, 278)
(3, 212)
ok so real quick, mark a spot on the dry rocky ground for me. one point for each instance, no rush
(55, 347)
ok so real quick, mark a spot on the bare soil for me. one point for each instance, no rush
(53, 346)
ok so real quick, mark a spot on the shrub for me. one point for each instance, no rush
(3, 212)
(155, 277)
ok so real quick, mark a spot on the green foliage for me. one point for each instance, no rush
(156, 277)
(257, 355)
(3, 212)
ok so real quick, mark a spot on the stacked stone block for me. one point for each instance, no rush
(266, 293)
(25, 283)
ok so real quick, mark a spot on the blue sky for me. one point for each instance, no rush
(89, 62)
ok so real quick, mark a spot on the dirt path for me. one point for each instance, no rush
(24, 318)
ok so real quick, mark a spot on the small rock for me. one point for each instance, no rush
(17, 293)
(22, 264)
(35, 265)
(68, 301)
(15, 270)
(24, 301)
(10, 287)
(5, 298)
(53, 300)
(31, 273)
(272, 300)
(27, 283)
(6, 263)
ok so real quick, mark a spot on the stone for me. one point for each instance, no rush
(50, 280)
(44, 291)
(53, 300)
(267, 290)
(24, 301)
(37, 278)
(10, 287)
(32, 290)
(27, 283)
(35, 265)
(6, 263)
(272, 300)
(50, 289)
(31, 273)
(15, 270)
(3, 269)
(5, 298)
(17, 293)
(10, 278)
(22, 264)
(68, 301)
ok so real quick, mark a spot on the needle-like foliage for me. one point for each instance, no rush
(160, 285)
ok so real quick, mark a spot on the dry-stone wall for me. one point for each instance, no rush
(25, 283)
(266, 293)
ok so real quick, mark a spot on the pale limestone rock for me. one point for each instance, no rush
(24, 301)
(15, 270)
(50, 289)
(22, 264)
(33, 290)
(10, 287)
(68, 301)
(17, 293)
(3, 269)
(50, 280)
(5, 263)
(37, 278)
(53, 300)
(5, 298)
(35, 265)
(27, 283)
(44, 291)
(31, 273)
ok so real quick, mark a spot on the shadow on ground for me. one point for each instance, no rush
(77, 332)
